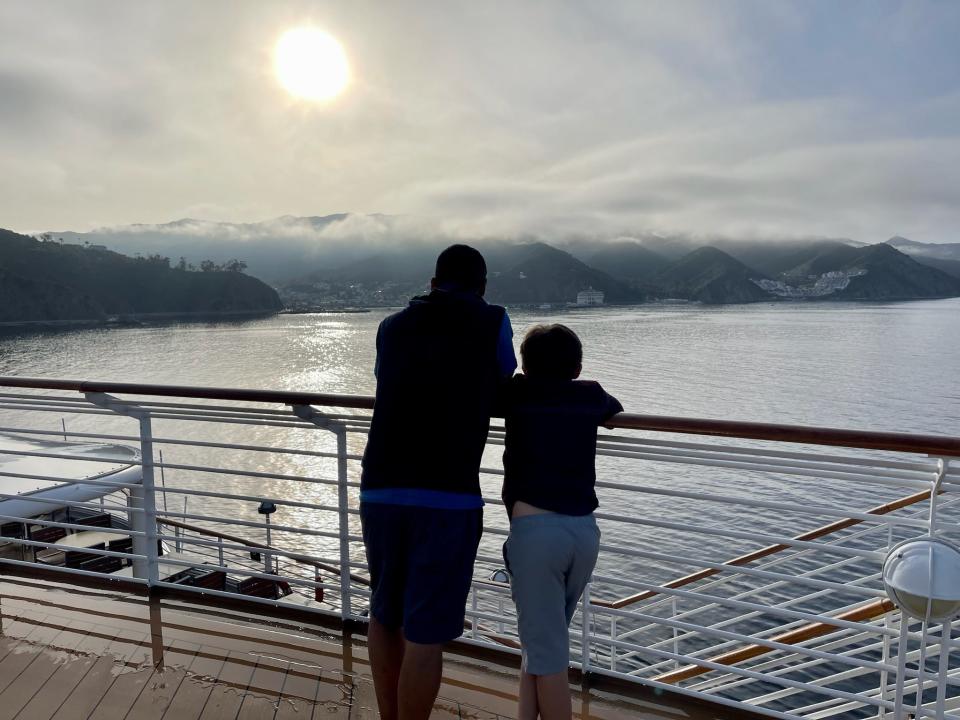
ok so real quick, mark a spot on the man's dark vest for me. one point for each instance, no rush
(437, 380)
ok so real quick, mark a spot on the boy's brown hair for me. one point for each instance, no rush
(551, 352)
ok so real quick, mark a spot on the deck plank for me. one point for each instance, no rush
(91, 690)
(299, 693)
(264, 691)
(163, 686)
(133, 671)
(227, 695)
(334, 695)
(196, 687)
(22, 656)
(35, 681)
(87, 693)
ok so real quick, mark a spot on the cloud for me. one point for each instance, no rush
(486, 119)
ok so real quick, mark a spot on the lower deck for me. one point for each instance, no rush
(80, 654)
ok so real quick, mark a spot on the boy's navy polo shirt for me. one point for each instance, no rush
(551, 443)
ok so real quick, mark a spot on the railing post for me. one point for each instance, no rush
(142, 497)
(306, 412)
(149, 568)
(676, 638)
(613, 639)
(343, 503)
(585, 631)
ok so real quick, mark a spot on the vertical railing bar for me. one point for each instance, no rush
(585, 630)
(943, 669)
(163, 481)
(149, 497)
(613, 647)
(346, 608)
(676, 638)
(474, 606)
(885, 653)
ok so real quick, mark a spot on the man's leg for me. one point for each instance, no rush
(419, 680)
(386, 648)
(553, 696)
(528, 707)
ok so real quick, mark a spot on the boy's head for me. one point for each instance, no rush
(552, 352)
(460, 268)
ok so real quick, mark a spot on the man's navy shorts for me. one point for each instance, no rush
(421, 567)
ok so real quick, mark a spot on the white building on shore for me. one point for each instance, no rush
(590, 297)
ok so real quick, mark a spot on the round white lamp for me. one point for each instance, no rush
(921, 571)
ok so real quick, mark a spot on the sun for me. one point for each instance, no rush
(311, 64)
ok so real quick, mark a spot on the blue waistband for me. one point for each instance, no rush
(422, 498)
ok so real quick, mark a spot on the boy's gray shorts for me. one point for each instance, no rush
(550, 559)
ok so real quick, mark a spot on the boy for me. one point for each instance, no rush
(548, 490)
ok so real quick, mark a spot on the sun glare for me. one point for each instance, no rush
(311, 64)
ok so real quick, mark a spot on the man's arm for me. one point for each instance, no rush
(376, 362)
(506, 359)
(507, 365)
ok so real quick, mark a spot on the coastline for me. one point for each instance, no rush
(135, 319)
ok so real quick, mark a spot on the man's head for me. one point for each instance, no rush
(461, 268)
(552, 352)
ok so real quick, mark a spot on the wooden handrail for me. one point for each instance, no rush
(765, 551)
(939, 445)
(868, 611)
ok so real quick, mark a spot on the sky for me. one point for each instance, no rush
(762, 118)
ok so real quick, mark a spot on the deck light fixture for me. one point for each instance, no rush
(267, 508)
(922, 578)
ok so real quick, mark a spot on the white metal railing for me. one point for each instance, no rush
(739, 570)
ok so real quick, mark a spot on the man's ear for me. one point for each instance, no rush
(433, 283)
(483, 288)
(579, 370)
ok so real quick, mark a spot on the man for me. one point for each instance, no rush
(439, 365)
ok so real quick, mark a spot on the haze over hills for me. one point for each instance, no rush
(47, 281)
(347, 259)
(945, 256)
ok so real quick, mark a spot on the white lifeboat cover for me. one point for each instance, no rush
(27, 476)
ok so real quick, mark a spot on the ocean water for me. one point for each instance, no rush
(889, 366)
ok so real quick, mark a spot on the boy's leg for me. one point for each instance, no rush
(538, 553)
(419, 680)
(386, 647)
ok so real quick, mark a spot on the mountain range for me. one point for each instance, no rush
(369, 260)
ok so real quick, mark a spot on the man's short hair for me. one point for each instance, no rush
(461, 267)
(551, 351)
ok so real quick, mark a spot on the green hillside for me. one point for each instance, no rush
(892, 275)
(537, 272)
(53, 281)
(711, 276)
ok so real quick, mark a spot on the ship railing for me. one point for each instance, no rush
(740, 562)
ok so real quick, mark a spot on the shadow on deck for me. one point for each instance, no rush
(76, 654)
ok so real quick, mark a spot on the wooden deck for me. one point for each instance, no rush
(72, 654)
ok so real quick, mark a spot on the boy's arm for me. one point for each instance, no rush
(610, 406)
